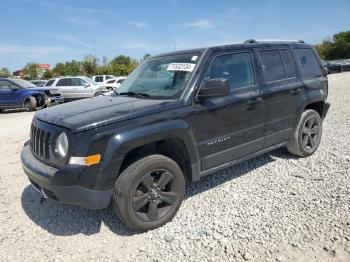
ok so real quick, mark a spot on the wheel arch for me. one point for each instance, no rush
(172, 139)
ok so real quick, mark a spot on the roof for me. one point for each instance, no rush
(249, 43)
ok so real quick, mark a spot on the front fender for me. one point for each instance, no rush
(120, 144)
(28, 93)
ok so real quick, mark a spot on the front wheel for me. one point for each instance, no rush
(30, 103)
(307, 135)
(149, 192)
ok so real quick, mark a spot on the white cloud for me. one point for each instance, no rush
(139, 24)
(78, 20)
(30, 50)
(71, 39)
(200, 25)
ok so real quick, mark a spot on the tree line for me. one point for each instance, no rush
(337, 47)
(332, 48)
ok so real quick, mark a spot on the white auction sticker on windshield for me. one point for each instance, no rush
(188, 67)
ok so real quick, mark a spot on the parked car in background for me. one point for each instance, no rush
(76, 87)
(18, 93)
(38, 82)
(332, 67)
(115, 83)
(345, 65)
(101, 79)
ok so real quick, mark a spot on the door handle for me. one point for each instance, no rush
(254, 101)
(295, 91)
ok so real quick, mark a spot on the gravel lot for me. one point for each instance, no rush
(272, 208)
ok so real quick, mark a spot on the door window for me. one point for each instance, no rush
(276, 65)
(6, 85)
(64, 82)
(307, 61)
(98, 78)
(237, 68)
(108, 77)
(78, 82)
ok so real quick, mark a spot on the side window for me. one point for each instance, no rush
(272, 65)
(307, 61)
(237, 68)
(120, 81)
(99, 79)
(108, 77)
(64, 82)
(50, 82)
(111, 81)
(288, 68)
(6, 85)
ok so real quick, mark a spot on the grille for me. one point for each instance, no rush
(40, 142)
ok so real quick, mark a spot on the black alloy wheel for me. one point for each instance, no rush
(155, 195)
(310, 133)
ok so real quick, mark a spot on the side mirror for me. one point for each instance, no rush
(86, 84)
(219, 87)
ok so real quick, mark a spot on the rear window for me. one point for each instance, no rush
(288, 68)
(272, 65)
(50, 82)
(307, 62)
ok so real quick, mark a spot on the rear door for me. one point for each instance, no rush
(82, 89)
(281, 90)
(67, 88)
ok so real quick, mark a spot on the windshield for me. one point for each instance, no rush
(161, 77)
(23, 83)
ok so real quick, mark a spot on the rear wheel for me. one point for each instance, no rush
(30, 103)
(149, 192)
(307, 135)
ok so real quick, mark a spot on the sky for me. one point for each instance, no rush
(52, 31)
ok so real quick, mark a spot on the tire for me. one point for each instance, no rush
(30, 103)
(307, 136)
(98, 94)
(153, 183)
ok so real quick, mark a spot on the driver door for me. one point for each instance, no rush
(230, 127)
(8, 93)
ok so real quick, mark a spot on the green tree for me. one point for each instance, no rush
(48, 74)
(123, 65)
(59, 70)
(30, 71)
(90, 65)
(73, 68)
(5, 72)
(338, 47)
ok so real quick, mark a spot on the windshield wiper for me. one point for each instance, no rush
(134, 94)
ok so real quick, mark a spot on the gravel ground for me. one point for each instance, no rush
(272, 208)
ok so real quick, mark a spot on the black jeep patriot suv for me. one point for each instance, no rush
(176, 118)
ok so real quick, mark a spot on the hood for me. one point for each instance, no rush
(103, 110)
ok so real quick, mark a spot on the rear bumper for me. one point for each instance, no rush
(42, 176)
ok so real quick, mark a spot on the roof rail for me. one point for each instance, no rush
(255, 41)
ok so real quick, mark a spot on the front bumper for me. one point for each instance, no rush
(55, 100)
(325, 109)
(42, 178)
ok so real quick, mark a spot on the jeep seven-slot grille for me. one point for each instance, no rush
(40, 142)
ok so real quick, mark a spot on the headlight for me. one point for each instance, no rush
(62, 145)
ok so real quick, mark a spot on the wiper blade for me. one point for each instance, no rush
(137, 94)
